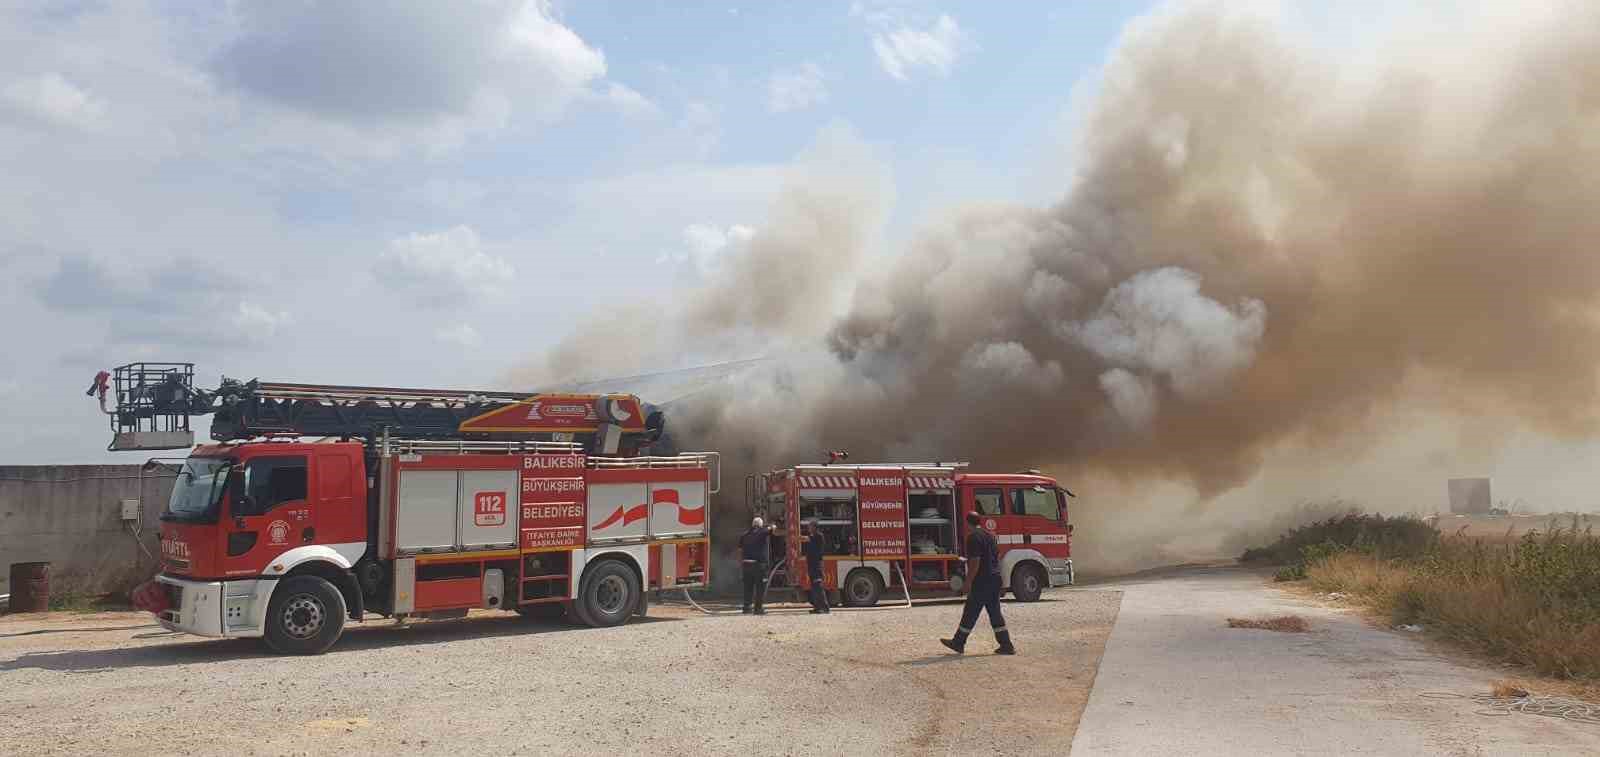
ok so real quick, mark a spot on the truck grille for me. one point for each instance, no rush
(177, 565)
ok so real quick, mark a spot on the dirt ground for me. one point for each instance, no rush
(856, 682)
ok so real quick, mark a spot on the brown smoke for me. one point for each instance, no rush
(1260, 247)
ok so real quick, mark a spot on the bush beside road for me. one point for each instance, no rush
(1531, 600)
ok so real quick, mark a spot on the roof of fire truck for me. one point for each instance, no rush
(1030, 476)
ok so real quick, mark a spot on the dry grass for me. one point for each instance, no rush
(1588, 691)
(1533, 602)
(1282, 624)
(1505, 689)
(1507, 529)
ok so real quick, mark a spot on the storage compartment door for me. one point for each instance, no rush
(425, 511)
(487, 518)
(618, 511)
(677, 508)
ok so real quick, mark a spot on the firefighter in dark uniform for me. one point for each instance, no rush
(982, 588)
(813, 549)
(753, 558)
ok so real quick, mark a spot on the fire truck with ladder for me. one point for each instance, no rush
(317, 504)
(900, 527)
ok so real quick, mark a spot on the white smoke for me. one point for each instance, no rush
(1261, 247)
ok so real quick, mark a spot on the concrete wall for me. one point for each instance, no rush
(71, 516)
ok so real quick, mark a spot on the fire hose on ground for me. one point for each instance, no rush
(904, 588)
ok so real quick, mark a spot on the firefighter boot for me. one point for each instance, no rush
(1004, 637)
(957, 644)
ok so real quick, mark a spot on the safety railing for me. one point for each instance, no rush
(442, 446)
(712, 460)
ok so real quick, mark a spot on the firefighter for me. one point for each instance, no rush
(813, 549)
(753, 558)
(982, 589)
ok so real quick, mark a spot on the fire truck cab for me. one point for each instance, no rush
(900, 528)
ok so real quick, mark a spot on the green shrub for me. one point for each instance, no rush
(1402, 536)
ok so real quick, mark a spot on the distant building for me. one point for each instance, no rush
(1469, 496)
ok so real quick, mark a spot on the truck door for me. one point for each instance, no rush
(989, 502)
(1036, 511)
(339, 501)
(269, 512)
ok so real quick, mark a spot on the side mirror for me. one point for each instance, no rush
(1070, 528)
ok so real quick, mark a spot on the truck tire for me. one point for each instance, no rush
(1027, 582)
(305, 616)
(608, 595)
(862, 588)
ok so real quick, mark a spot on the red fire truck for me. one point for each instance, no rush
(900, 527)
(412, 503)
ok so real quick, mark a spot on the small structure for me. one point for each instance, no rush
(1469, 496)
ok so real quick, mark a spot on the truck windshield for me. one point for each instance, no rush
(198, 489)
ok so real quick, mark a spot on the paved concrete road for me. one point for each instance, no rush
(866, 682)
(1175, 680)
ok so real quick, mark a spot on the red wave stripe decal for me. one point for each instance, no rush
(626, 516)
(687, 516)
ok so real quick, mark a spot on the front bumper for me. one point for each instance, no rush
(1060, 572)
(215, 608)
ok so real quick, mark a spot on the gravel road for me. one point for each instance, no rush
(856, 682)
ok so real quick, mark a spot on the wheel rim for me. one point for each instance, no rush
(303, 616)
(860, 589)
(611, 594)
(1031, 582)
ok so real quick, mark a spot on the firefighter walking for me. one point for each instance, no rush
(982, 589)
(753, 558)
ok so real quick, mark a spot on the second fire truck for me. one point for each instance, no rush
(900, 527)
(321, 504)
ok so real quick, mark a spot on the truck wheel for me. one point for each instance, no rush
(305, 616)
(1027, 582)
(861, 588)
(608, 595)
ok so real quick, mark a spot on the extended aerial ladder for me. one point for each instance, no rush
(150, 405)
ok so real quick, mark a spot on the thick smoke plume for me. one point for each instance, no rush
(1260, 246)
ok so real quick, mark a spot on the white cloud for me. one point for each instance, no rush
(443, 268)
(257, 320)
(904, 49)
(461, 335)
(53, 99)
(704, 245)
(629, 102)
(796, 89)
(184, 303)
(413, 70)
